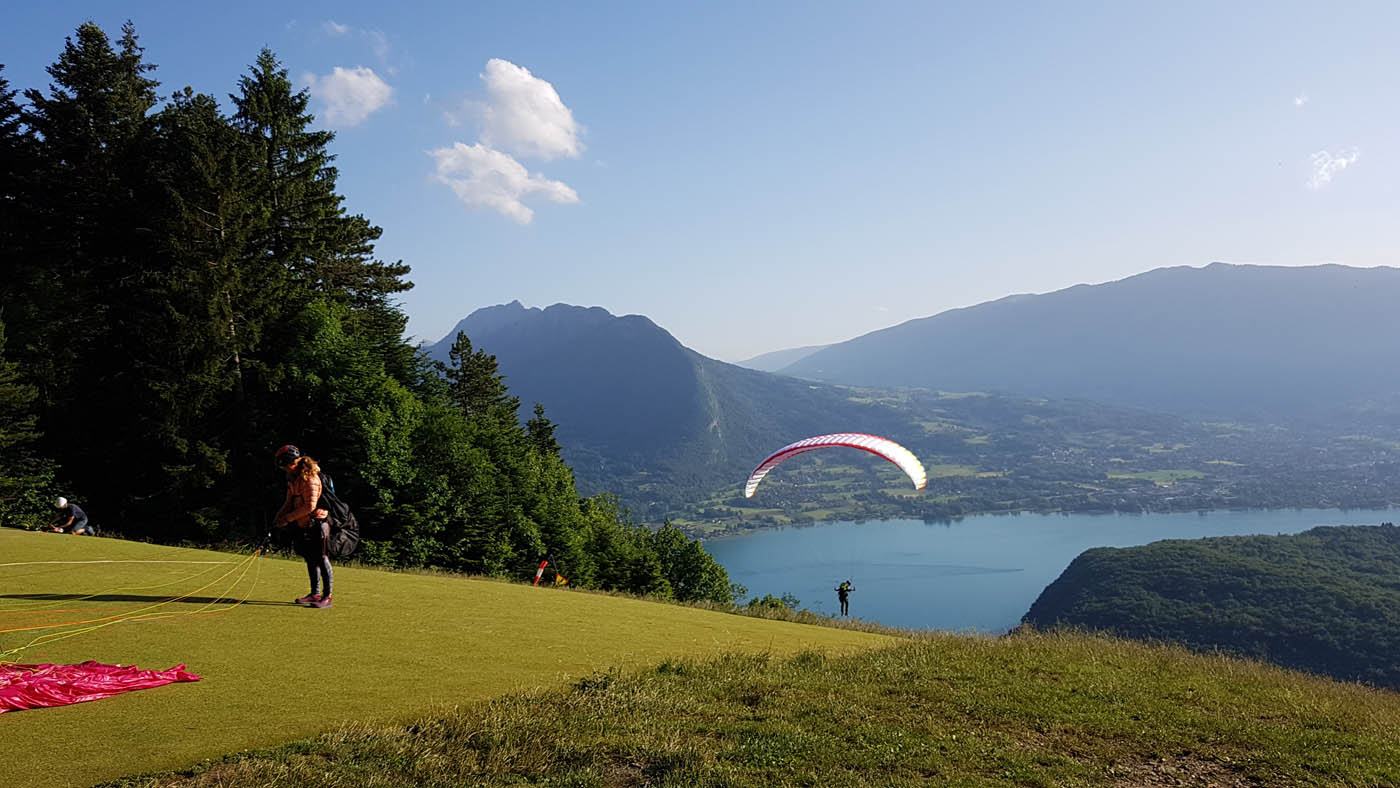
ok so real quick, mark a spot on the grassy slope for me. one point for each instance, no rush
(1029, 710)
(396, 645)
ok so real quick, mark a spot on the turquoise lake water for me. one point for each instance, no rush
(978, 573)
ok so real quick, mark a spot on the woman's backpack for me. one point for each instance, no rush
(345, 529)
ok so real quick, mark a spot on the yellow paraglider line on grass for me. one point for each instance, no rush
(246, 565)
(116, 561)
(153, 611)
(40, 605)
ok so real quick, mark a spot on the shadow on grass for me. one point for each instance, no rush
(198, 600)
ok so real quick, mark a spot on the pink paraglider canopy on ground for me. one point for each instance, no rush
(36, 686)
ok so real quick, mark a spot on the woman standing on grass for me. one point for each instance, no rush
(312, 524)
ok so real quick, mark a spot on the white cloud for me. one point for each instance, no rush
(522, 115)
(1325, 165)
(350, 95)
(484, 177)
(334, 28)
(525, 115)
(1300, 99)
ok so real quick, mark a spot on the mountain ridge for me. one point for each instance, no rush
(777, 359)
(1225, 339)
(632, 402)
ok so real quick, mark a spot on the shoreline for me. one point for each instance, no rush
(746, 531)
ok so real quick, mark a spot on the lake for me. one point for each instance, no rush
(977, 573)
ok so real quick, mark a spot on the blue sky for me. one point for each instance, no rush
(757, 176)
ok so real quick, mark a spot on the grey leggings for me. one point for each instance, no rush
(318, 564)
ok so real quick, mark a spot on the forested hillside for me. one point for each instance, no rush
(1326, 601)
(642, 414)
(184, 291)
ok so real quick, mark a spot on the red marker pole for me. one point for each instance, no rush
(540, 572)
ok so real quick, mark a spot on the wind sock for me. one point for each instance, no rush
(540, 572)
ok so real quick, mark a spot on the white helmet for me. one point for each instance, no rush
(60, 503)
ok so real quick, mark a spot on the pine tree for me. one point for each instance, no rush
(305, 226)
(207, 195)
(17, 163)
(85, 210)
(293, 180)
(23, 474)
(215, 302)
(541, 433)
(476, 386)
(90, 265)
(15, 141)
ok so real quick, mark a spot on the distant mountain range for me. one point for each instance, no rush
(772, 362)
(1239, 340)
(674, 433)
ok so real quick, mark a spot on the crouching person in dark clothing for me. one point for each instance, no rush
(310, 524)
(70, 518)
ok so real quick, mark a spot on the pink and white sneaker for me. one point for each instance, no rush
(309, 599)
(324, 601)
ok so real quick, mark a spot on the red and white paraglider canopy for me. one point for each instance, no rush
(882, 447)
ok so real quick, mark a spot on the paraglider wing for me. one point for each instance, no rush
(881, 447)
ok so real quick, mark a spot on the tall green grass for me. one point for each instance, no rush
(1026, 710)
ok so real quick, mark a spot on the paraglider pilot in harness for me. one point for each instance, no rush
(843, 593)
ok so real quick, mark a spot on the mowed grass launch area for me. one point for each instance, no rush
(423, 680)
(396, 645)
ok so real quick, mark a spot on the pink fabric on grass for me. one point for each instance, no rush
(36, 686)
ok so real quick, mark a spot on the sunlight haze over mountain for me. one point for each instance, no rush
(757, 177)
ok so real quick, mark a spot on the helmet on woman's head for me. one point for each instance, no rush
(286, 455)
(60, 502)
